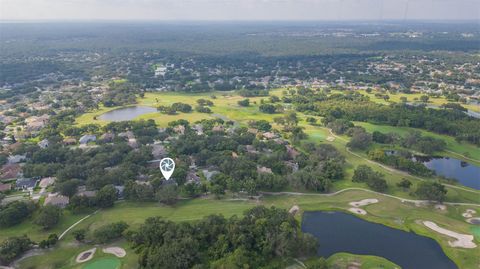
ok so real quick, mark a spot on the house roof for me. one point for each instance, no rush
(10, 171)
(5, 187)
(57, 200)
(26, 183)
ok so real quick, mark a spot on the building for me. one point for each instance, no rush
(13, 159)
(5, 187)
(43, 144)
(10, 171)
(46, 182)
(25, 183)
(57, 200)
(107, 137)
(87, 138)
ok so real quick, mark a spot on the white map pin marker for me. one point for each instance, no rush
(167, 166)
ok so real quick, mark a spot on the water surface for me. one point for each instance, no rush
(126, 113)
(341, 232)
(465, 173)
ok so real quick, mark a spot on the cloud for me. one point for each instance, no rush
(239, 9)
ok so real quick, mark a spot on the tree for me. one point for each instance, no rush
(79, 235)
(182, 107)
(167, 194)
(13, 247)
(374, 180)
(15, 212)
(106, 196)
(267, 108)
(48, 217)
(111, 231)
(405, 183)
(424, 98)
(68, 188)
(244, 102)
(432, 191)
(51, 241)
(203, 109)
(360, 139)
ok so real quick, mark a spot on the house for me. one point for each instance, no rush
(158, 151)
(69, 141)
(57, 200)
(43, 144)
(269, 135)
(192, 176)
(198, 129)
(292, 165)
(251, 149)
(107, 137)
(46, 182)
(120, 191)
(132, 142)
(209, 173)
(87, 138)
(82, 191)
(5, 187)
(13, 159)
(9, 171)
(127, 134)
(35, 124)
(264, 170)
(180, 129)
(292, 152)
(25, 183)
(218, 128)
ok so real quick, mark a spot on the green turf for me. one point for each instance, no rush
(343, 260)
(104, 263)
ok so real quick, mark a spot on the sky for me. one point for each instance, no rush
(242, 10)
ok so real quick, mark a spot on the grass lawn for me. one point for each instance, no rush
(342, 260)
(463, 148)
(184, 210)
(35, 232)
(415, 97)
(388, 211)
(64, 257)
(393, 213)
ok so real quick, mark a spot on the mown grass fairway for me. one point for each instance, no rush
(415, 97)
(388, 211)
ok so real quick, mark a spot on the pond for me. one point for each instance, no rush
(126, 113)
(465, 173)
(341, 232)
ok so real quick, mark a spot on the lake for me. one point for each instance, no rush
(341, 232)
(465, 173)
(126, 113)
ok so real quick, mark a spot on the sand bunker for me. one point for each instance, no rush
(358, 211)
(441, 207)
(117, 251)
(475, 221)
(294, 210)
(330, 138)
(363, 202)
(462, 240)
(469, 213)
(86, 255)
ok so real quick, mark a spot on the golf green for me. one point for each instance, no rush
(476, 231)
(104, 263)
